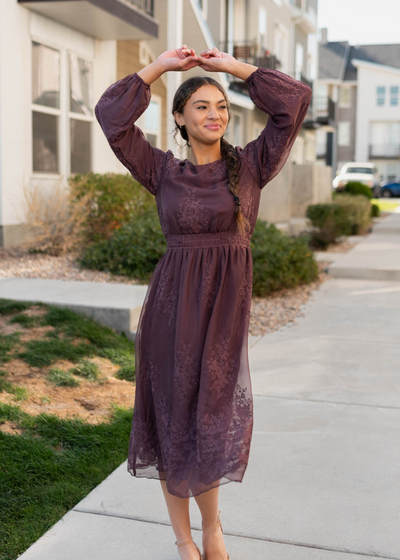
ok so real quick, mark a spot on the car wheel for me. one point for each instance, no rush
(386, 193)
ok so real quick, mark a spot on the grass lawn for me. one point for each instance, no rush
(50, 461)
(385, 205)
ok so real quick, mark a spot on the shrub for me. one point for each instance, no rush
(358, 209)
(113, 200)
(54, 221)
(331, 220)
(279, 261)
(133, 250)
(354, 188)
(347, 215)
(375, 211)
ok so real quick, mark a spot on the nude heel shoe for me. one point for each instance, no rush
(188, 542)
(218, 522)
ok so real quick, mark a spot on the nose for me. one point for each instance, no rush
(213, 113)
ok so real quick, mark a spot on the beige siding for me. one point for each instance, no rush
(128, 63)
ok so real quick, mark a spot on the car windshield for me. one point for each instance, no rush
(359, 170)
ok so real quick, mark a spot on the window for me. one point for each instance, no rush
(281, 45)
(394, 96)
(344, 133)
(152, 122)
(81, 113)
(299, 61)
(57, 116)
(362, 170)
(262, 26)
(345, 97)
(380, 95)
(45, 108)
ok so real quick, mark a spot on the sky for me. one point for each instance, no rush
(361, 22)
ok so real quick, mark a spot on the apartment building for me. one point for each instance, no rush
(57, 58)
(359, 87)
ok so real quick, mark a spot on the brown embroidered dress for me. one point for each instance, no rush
(193, 412)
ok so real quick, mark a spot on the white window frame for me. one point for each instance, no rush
(262, 30)
(280, 31)
(344, 133)
(380, 96)
(394, 96)
(155, 99)
(63, 113)
(342, 98)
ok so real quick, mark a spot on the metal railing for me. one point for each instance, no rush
(324, 108)
(249, 51)
(145, 5)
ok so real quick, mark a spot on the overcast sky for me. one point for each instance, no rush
(364, 22)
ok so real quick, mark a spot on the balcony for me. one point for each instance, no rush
(384, 151)
(325, 110)
(101, 19)
(305, 14)
(251, 53)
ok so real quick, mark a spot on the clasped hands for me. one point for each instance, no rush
(211, 60)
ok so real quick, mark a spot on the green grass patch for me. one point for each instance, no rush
(62, 378)
(89, 370)
(52, 465)
(26, 321)
(385, 205)
(10, 306)
(39, 353)
(7, 343)
(124, 359)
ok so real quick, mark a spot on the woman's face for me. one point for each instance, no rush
(205, 115)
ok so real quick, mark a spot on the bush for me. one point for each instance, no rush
(54, 220)
(279, 261)
(375, 211)
(358, 209)
(133, 250)
(347, 215)
(113, 200)
(354, 188)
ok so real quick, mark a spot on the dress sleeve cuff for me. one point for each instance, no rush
(141, 79)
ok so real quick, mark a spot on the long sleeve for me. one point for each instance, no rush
(286, 101)
(116, 111)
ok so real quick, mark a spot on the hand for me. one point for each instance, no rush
(213, 60)
(179, 59)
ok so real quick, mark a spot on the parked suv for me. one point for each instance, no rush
(361, 172)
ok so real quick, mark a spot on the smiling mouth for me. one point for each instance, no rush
(213, 126)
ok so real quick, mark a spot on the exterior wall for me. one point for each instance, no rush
(367, 109)
(348, 114)
(128, 62)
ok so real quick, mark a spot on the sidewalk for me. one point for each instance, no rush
(323, 477)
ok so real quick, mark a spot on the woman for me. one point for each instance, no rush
(193, 414)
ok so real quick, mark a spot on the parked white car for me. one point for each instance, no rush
(362, 172)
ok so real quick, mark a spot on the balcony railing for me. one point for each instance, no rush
(324, 110)
(145, 5)
(251, 53)
(384, 151)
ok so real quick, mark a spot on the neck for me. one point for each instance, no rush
(201, 154)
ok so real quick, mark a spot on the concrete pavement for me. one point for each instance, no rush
(323, 477)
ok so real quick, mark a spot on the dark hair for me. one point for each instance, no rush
(228, 152)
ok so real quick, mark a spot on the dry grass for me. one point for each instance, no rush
(54, 219)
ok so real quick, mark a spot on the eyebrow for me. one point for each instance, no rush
(204, 101)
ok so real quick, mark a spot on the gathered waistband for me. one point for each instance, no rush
(200, 240)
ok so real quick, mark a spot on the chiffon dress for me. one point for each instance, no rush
(193, 412)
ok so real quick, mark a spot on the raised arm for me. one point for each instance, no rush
(122, 104)
(286, 101)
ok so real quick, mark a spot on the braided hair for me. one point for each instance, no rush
(228, 152)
